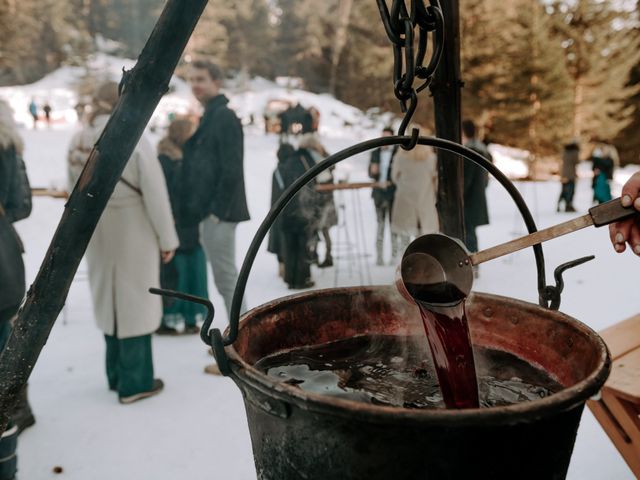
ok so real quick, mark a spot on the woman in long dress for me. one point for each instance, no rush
(415, 174)
(136, 228)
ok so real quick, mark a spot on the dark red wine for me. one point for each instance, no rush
(449, 341)
(448, 335)
(398, 371)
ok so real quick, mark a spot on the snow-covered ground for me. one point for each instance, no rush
(196, 429)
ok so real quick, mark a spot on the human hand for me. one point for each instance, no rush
(167, 256)
(628, 231)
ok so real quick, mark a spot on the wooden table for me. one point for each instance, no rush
(618, 410)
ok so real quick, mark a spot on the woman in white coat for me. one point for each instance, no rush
(415, 174)
(135, 230)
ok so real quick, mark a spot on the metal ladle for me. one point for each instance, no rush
(438, 270)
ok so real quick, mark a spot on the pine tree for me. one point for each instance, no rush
(365, 68)
(237, 35)
(35, 38)
(601, 48)
(516, 83)
(628, 140)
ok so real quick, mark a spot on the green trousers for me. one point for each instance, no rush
(129, 364)
(191, 271)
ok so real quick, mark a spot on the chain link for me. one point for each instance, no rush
(400, 24)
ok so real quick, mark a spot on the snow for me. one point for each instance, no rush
(197, 428)
(513, 162)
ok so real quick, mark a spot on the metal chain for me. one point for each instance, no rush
(400, 24)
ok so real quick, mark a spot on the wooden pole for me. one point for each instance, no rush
(144, 85)
(447, 106)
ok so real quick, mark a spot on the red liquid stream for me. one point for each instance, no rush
(448, 335)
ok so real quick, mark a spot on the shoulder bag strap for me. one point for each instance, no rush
(130, 185)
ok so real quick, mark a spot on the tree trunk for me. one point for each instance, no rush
(344, 13)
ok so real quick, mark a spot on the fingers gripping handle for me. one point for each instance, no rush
(611, 211)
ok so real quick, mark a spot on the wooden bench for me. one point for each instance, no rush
(618, 410)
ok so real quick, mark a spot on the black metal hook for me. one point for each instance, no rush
(211, 337)
(551, 293)
(191, 298)
(409, 113)
(413, 141)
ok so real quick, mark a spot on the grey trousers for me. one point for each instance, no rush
(219, 241)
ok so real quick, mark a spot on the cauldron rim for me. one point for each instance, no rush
(245, 375)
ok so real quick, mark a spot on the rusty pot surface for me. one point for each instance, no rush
(297, 434)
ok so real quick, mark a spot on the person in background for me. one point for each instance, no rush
(214, 180)
(627, 232)
(327, 214)
(298, 221)
(415, 174)
(380, 171)
(187, 271)
(276, 241)
(570, 159)
(476, 180)
(603, 166)
(16, 202)
(135, 229)
(33, 110)
(47, 113)
(315, 119)
(15, 205)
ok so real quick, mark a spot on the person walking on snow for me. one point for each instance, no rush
(136, 228)
(33, 110)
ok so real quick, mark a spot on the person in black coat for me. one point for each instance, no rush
(276, 242)
(214, 177)
(15, 205)
(380, 171)
(187, 270)
(476, 180)
(297, 221)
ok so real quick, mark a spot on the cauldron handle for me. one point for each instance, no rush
(217, 341)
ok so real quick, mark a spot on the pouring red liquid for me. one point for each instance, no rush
(450, 344)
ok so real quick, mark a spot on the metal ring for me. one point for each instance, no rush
(362, 147)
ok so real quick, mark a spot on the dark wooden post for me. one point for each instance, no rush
(447, 105)
(144, 85)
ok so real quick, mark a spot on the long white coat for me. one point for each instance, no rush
(415, 174)
(123, 255)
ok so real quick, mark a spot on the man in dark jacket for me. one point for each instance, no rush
(213, 163)
(570, 159)
(380, 171)
(476, 180)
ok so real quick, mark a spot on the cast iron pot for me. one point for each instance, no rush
(301, 435)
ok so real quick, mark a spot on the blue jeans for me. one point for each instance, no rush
(219, 241)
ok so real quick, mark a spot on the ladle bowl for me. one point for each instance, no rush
(435, 269)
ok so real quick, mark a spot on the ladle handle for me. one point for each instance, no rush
(609, 212)
(599, 216)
